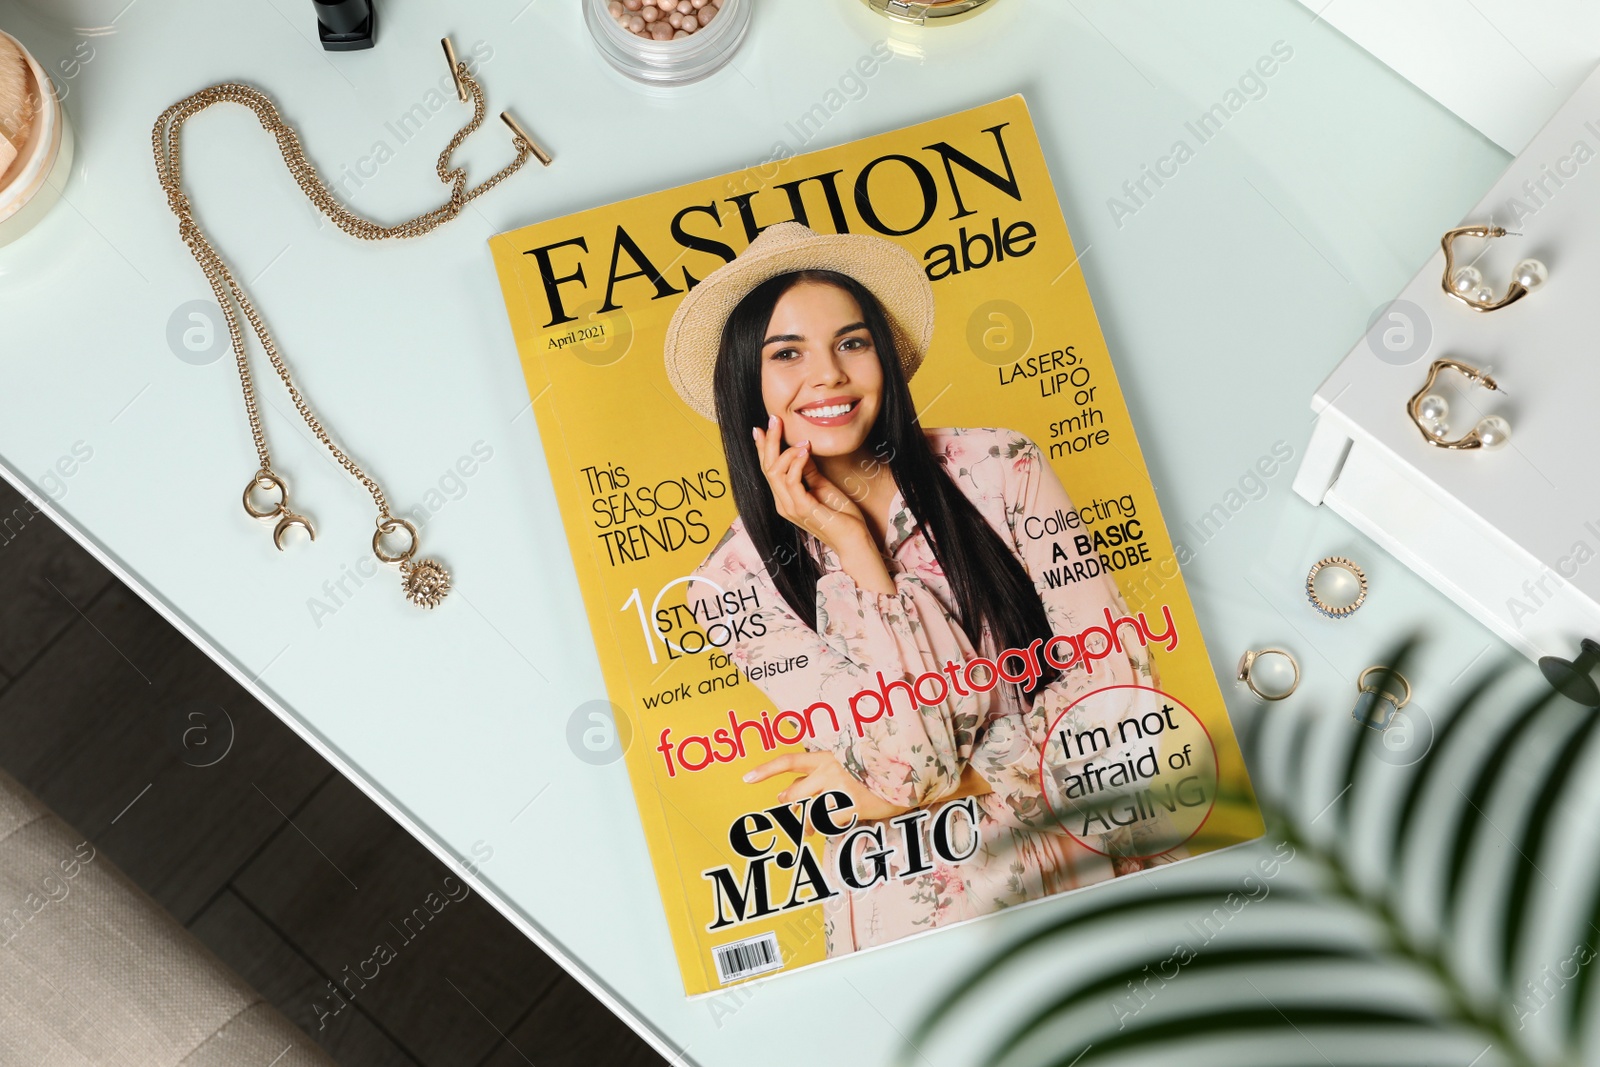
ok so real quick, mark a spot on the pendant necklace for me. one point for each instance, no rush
(266, 496)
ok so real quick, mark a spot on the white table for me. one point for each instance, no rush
(1537, 54)
(1226, 298)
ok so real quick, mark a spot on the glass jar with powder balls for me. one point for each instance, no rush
(667, 42)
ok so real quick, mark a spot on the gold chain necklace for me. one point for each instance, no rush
(425, 581)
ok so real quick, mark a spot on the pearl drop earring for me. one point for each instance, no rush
(1466, 283)
(1429, 410)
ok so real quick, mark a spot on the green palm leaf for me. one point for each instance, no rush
(1556, 784)
(1578, 1026)
(1236, 1022)
(1121, 978)
(1477, 732)
(1410, 808)
(1145, 906)
(1471, 814)
(1384, 682)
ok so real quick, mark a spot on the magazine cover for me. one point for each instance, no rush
(889, 620)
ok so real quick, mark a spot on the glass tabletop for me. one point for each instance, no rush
(1229, 277)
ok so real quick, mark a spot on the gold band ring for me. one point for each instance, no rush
(1405, 695)
(1247, 664)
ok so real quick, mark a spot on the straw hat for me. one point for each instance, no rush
(891, 273)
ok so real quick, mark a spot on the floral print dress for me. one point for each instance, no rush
(914, 759)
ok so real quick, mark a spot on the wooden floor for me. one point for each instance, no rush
(284, 869)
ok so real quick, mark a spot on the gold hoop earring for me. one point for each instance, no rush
(1429, 410)
(1466, 283)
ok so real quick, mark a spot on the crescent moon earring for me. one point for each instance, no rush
(289, 522)
(1466, 283)
(267, 482)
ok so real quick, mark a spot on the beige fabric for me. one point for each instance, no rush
(258, 1036)
(93, 972)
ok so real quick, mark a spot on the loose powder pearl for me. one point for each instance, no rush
(663, 20)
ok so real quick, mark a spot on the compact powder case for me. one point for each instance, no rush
(929, 12)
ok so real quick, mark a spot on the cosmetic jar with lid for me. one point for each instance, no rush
(32, 182)
(85, 18)
(653, 55)
(929, 12)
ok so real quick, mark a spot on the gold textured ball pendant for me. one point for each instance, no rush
(425, 582)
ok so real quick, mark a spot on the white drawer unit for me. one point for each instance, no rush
(1511, 535)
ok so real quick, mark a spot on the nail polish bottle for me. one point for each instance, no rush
(346, 25)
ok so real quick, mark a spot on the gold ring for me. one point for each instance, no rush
(1247, 663)
(1342, 564)
(1405, 696)
(392, 523)
(265, 479)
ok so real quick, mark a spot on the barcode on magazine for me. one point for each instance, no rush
(741, 959)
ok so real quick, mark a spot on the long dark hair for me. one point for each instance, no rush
(990, 587)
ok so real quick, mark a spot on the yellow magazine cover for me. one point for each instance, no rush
(888, 616)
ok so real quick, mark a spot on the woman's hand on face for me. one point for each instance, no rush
(804, 496)
(819, 773)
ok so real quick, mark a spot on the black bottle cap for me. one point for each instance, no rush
(346, 25)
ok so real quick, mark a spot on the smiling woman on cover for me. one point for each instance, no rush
(880, 546)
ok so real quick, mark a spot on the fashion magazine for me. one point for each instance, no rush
(890, 623)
